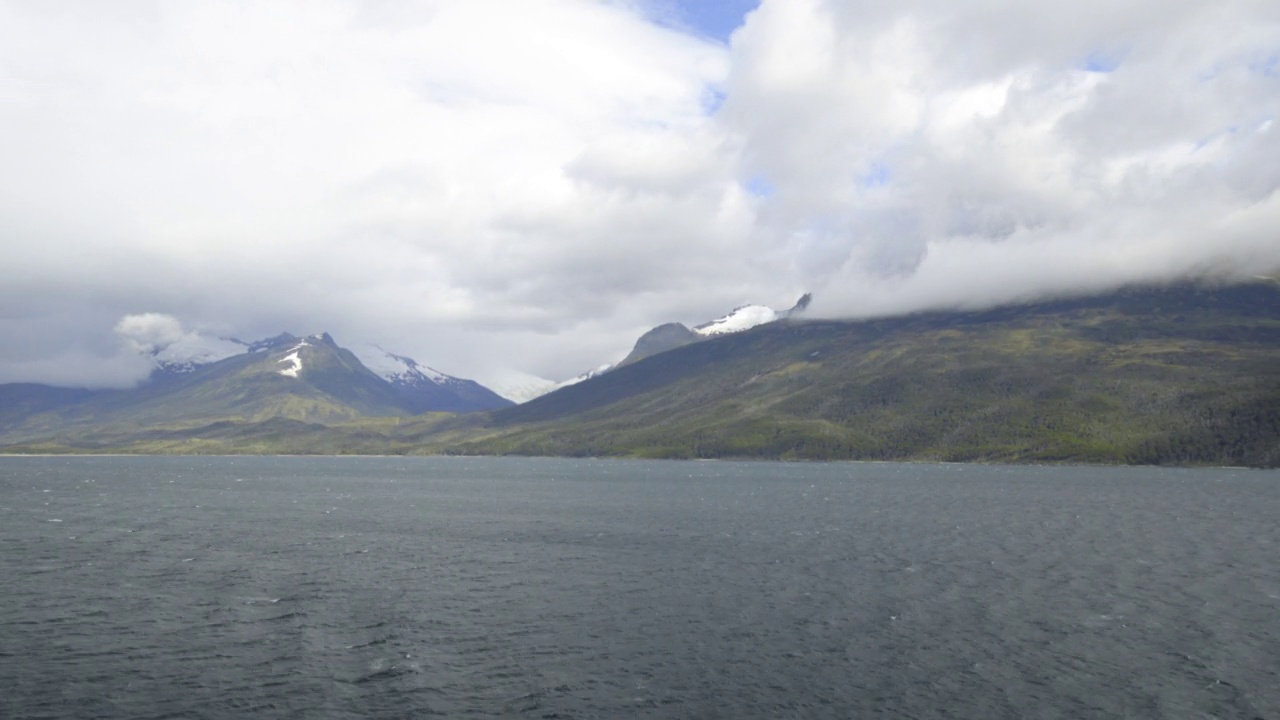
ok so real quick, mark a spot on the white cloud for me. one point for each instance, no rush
(930, 154)
(148, 332)
(163, 339)
(527, 186)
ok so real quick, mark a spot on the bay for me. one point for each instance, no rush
(150, 587)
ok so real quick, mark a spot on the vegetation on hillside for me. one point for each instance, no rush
(1182, 375)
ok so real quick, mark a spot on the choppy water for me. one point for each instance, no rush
(387, 587)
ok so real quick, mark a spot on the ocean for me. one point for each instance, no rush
(232, 587)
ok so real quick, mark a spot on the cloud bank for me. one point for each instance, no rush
(935, 154)
(494, 186)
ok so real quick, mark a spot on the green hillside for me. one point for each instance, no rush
(247, 388)
(1180, 375)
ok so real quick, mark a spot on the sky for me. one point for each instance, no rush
(501, 188)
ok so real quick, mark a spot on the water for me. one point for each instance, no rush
(389, 587)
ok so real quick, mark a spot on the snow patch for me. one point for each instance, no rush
(743, 318)
(194, 350)
(397, 369)
(585, 376)
(292, 357)
(521, 387)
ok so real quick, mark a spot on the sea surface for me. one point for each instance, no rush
(165, 587)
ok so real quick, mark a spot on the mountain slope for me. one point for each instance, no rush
(422, 389)
(309, 380)
(659, 340)
(20, 402)
(1182, 375)
(417, 387)
(1179, 375)
(672, 335)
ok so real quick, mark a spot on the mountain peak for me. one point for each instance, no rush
(424, 388)
(742, 318)
(801, 305)
(670, 336)
(192, 351)
(396, 368)
(660, 339)
(272, 343)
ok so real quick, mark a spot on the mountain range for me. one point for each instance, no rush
(1183, 374)
(308, 379)
(198, 380)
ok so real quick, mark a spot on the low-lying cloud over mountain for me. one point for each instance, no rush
(498, 187)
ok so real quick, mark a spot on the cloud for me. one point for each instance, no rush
(929, 154)
(149, 332)
(493, 186)
(393, 168)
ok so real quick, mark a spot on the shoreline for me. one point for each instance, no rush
(626, 459)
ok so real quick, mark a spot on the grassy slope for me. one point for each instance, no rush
(1178, 377)
(242, 389)
(1175, 376)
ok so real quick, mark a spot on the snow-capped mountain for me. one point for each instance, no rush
(397, 369)
(521, 387)
(272, 343)
(746, 317)
(424, 388)
(670, 336)
(192, 351)
(418, 388)
(742, 318)
(585, 376)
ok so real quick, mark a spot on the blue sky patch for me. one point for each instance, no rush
(878, 175)
(759, 186)
(715, 19)
(712, 99)
(1268, 67)
(1102, 62)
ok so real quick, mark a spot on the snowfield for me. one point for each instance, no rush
(296, 367)
(397, 368)
(743, 318)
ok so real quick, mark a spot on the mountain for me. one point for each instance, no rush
(673, 335)
(422, 389)
(660, 339)
(310, 379)
(418, 388)
(1184, 375)
(519, 387)
(21, 401)
(192, 351)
